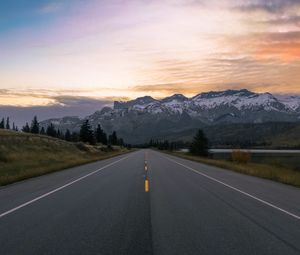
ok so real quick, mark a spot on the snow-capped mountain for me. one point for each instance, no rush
(235, 99)
(146, 116)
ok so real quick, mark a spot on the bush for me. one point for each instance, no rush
(240, 156)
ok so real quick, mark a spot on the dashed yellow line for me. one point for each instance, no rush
(146, 169)
(146, 185)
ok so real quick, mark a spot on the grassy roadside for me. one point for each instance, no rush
(24, 156)
(279, 174)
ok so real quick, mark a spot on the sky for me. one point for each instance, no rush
(108, 50)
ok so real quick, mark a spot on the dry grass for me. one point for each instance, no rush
(24, 155)
(240, 156)
(279, 174)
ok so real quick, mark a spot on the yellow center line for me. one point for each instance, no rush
(146, 185)
(146, 179)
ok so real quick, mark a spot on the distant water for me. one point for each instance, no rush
(281, 158)
(256, 151)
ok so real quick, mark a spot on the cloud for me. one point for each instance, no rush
(62, 105)
(51, 8)
(283, 20)
(280, 46)
(287, 51)
(270, 6)
(161, 90)
(283, 46)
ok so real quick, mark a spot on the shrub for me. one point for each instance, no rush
(240, 156)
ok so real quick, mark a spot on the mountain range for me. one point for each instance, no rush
(144, 118)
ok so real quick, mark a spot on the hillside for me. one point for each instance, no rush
(245, 135)
(288, 138)
(265, 135)
(25, 155)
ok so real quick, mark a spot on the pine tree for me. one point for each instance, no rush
(35, 126)
(7, 123)
(68, 135)
(199, 145)
(100, 135)
(58, 133)
(42, 132)
(2, 124)
(86, 133)
(113, 139)
(51, 130)
(104, 139)
(26, 128)
(121, 142)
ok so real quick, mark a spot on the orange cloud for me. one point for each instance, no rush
(284, 51)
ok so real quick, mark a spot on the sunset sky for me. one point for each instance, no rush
(120, 49)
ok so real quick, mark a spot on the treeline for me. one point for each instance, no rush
(167, 145)
(198, 146)
(86, 134)
(5, 124)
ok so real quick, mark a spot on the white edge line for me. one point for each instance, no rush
(59, 188)
(238, 190)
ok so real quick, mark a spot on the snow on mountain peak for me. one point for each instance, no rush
(240, 99)
(175, 97)
(291, 102)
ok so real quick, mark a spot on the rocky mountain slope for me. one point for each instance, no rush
(145, 117)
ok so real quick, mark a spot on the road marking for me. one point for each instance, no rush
(238, 190)
(60, 188)
(146, 185)
(146, 168)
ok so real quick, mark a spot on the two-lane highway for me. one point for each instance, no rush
(190, 208)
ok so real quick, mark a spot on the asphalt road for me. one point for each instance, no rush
(190, 208)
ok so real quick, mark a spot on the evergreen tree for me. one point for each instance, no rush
(100, 135)
(86, 133)
(104, 139)
(58, 134)
(121, 142)
(42, 132)
(2, 124)
(199, 145)
(51, 130)
(68, 135)
(14, 127)
(7, 123)
(26, 128)
(35, 126)
(113, 139)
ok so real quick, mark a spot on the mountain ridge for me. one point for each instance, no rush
(143, 118)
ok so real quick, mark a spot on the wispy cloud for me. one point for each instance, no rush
(51, 7)
(270, 6)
